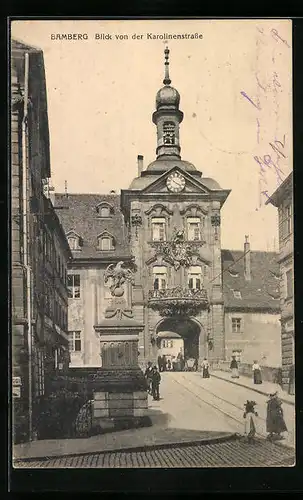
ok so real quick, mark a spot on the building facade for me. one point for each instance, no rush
(168, 221)
(282, 198)
(252, 307)
(33, 218)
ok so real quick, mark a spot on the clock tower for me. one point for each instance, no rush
(172, 213)
(167, 117)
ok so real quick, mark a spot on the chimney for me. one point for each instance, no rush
(247, 273)
(140, 164)
(65, 189)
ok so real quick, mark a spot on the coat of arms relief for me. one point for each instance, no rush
(178, 250)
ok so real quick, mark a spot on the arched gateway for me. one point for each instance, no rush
(186, 333)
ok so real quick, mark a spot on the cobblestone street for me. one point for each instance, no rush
(234, 453)
(198, 412)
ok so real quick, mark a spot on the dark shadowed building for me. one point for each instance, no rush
(39, 248)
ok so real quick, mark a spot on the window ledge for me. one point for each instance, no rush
(109, 250)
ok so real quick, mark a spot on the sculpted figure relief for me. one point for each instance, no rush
(118, 276)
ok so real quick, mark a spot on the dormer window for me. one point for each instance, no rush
(106, 242)
(104, 210)
(74, 240)
(169, 133)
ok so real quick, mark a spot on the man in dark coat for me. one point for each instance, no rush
(275, 423)
(148, 376)
(156, 379)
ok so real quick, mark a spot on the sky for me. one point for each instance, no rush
(235, 83)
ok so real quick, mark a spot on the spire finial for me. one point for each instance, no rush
(167, 80)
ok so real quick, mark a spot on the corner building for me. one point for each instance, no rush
(173, 217)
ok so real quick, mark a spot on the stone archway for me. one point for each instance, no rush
(190, 331)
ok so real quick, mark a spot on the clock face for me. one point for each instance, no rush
(175, 182)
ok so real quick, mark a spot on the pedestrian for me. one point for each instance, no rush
(234, 368)
(275, 423)
(156, 379)
(169, 365)
(249, 416)
(160, 363)
(164, 363)
(205, 368)
(148, 376)
(257, 373)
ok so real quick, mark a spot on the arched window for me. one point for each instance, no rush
(169, 133)
(104, 210)
(195, 278)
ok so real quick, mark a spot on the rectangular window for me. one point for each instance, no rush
(195, 278)
(285, 221)
(75, 341)
(105, 243)
(158, 229)
(289, 284)
(160, 278)
(193, 229)
(73, 285)
(236, 325)
(104, 212)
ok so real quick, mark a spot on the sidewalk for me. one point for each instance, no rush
(139, 439)
(265, 388)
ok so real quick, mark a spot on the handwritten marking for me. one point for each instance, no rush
(276, 36)
(249, 99)
(258, 131)
(276, 149)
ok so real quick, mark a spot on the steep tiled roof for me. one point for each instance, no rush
(257, 293)
(78, 213)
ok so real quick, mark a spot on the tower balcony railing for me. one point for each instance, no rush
(178, 301)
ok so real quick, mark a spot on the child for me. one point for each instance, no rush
(250, 415)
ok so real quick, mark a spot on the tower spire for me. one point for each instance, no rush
(167, 80)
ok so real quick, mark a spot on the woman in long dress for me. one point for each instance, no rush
(257, 373)
(234, 368)
(205, 368)
(275, 423)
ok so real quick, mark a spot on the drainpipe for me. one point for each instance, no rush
(25, 187)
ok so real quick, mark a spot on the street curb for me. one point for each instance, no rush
(174, 444)
(252, 389)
